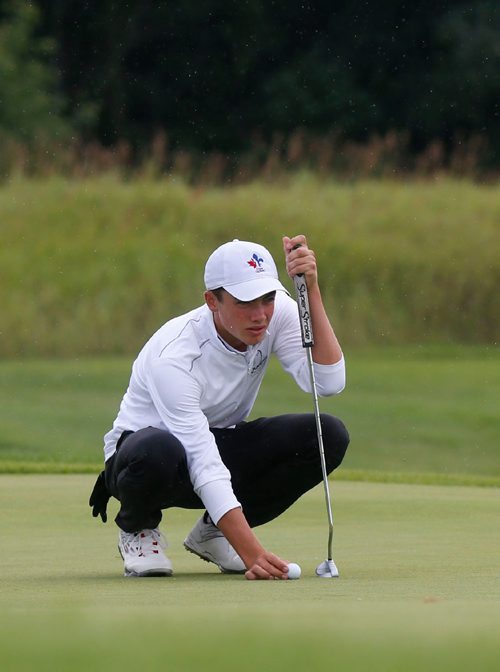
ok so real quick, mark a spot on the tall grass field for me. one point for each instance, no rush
(90, 267)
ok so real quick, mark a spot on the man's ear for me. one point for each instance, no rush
(211, 300)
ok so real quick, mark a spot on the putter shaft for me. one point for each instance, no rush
(322, 454)
(308, 342)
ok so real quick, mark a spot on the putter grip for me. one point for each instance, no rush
(304, 312)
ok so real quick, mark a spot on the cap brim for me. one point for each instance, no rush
(253, 289)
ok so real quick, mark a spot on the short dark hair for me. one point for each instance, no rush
(218, 293)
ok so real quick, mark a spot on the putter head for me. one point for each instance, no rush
(327, 570)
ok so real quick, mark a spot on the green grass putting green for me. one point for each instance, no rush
(419, 586)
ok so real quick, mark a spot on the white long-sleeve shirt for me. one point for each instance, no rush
(186, 379)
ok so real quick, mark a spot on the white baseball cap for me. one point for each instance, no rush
(246, 270)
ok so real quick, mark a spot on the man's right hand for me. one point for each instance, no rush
(267, 566)
(260, 564)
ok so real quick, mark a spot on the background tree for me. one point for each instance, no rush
(31, 106)
(215, 73)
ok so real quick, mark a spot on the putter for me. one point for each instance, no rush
(327, 569)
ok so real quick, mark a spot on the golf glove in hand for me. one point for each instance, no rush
(99, 498)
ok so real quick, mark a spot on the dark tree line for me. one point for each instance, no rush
(216, 74)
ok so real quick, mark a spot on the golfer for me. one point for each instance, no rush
(181, 437)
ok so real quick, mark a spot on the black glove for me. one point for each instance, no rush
(99, 498)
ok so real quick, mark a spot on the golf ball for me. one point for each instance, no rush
(294, 570)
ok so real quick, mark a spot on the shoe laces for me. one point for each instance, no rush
(143, 543)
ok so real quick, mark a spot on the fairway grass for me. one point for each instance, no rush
(424, 415)
(419, 586)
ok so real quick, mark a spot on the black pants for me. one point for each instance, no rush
(272, 461)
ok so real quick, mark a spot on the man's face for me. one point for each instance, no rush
(241, 323)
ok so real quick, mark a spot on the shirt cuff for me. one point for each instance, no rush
(218, 498)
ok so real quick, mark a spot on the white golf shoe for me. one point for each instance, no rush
(207, 542)
(142, 553)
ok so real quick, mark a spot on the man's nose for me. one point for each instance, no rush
(258, 313)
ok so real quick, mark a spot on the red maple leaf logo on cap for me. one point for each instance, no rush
(255, 260)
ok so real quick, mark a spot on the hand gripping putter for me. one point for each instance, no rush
(327, 569)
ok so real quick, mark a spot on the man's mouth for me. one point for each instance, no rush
(257, 330)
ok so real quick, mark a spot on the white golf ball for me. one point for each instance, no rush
(294, 570)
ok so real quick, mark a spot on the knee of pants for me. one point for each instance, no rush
(335, 440)
(151, 458)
